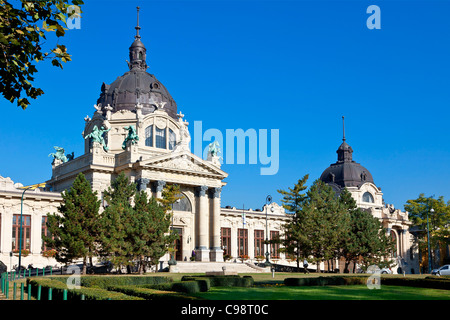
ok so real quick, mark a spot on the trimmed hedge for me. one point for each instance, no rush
(325, 281)
(118, 280)
(222, 281)
(428, 282)
(150, 293)
(58, 288)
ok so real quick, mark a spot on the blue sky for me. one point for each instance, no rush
(295, 66)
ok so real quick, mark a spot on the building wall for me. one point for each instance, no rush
(36, 204)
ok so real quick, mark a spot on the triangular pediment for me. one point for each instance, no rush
(184, 162)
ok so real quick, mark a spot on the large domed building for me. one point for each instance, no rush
(137, 129)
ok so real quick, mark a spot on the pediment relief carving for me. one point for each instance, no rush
(184, 162)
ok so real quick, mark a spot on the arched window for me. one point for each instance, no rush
(172, 139)
(160, 135)
(183, 205)
(367, 197)
(149, 136)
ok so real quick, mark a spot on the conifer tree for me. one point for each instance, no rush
(75, 228)
(366, 240)
(293, 199)
(151, 237)
(325, 222)
(295, 241)
(170, 194)
(116, 221)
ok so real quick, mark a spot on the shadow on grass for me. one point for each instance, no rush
(351, 292)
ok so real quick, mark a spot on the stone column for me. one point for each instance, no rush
(202, 250)
(216, 250)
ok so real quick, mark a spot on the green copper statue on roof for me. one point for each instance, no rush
(97, 136)
(132, 136)
(59, 154)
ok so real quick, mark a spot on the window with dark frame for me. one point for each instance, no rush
(259, 243)
(242, 242)
(26, 232)
(274, 247)
(226, 240)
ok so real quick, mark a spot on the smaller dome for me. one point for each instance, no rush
(346, 172)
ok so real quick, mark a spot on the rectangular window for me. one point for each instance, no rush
(160, 135)
(44, 233)
(242, 242)
(259, 243)
(274, 247)
(149, 136)
(172, 140)
(226, 240)
(26, 232)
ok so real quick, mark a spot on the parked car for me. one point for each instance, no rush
(376, 269)
(386, 271)
(442, 271)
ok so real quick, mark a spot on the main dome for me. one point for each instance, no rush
(137, 86)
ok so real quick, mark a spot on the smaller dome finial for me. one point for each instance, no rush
(137, 25)
(343, 128)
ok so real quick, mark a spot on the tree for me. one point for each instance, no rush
(438, 221)
(170, 194)
(365, 241)
(150, 237)
(116, 222)
(295, 242)
(325, 221)
(75, 229)
(294, 198)
(21, 42)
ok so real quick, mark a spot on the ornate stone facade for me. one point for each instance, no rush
(36, 205)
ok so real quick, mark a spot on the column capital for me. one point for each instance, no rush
(202, 190)
(215, 192)
(159, 185)
(142, 184)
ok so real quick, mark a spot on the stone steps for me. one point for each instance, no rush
(203, 267)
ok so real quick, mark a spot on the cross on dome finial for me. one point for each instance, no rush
(343, 128)
(137, 25)
(137, 50)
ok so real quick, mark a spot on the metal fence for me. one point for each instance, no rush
(14, 279)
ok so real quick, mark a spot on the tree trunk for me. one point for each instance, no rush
(84, 266)
(346, 266)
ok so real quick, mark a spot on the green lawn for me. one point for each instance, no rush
(357, 292)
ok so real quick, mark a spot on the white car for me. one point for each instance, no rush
(376, 269)
(442, 271)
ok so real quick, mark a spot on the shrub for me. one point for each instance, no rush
(428, 282)
(187, 286)
(151, 293)
(119, 280)
(58, 288)
(325, 281)
(223, 281)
